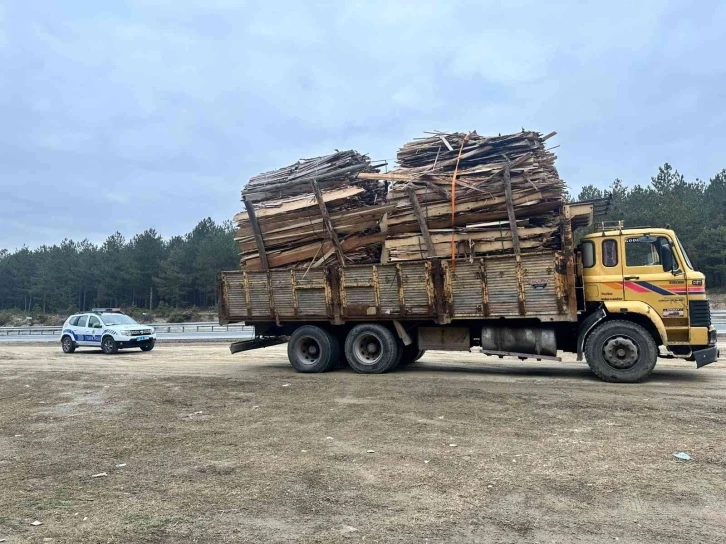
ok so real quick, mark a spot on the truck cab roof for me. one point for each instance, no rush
(640, 231)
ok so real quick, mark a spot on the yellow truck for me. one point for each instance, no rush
(616, 299)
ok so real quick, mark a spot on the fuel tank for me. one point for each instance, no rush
(534, 340)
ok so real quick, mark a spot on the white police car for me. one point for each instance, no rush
(108, 329)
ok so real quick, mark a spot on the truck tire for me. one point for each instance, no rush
(621, 351)
(371, 349)
(410, 354)
(312, 349)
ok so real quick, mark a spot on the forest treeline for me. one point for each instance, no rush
(696, 210)
(147, 271)
(144, 271)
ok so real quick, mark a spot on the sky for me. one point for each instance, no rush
(128, 115)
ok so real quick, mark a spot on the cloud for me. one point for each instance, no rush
(169, 106)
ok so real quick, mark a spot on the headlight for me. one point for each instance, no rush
(152, 330)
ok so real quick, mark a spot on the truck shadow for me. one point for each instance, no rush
(567, 371)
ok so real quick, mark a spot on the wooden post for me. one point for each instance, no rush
(421, 221)
(515, 236)
(258, 234)
(327, 223)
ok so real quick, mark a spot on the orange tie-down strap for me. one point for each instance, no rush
(453, 203)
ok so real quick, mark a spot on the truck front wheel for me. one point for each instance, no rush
(312, 349)
(621, 351)
(371, 349)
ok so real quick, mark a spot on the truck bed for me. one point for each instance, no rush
(435, 290)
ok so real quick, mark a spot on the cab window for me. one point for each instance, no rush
(645, 251)
(588, 254)
(610, 253)
(94, 322)
(82, 320)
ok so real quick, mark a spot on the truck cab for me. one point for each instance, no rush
(644, 275)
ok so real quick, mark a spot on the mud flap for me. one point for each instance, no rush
(587, 325)
(706, 356)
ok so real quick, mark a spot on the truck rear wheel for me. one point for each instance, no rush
(411, 354)
(371, 349)
(312, 349)
(621, 351)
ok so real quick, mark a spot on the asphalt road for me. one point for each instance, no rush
(161, 336)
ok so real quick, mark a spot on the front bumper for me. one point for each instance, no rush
(134, 343)
(706, 356)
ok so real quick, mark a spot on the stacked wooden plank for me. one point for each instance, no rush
(312, 213)
(453, 194)
(472, 171)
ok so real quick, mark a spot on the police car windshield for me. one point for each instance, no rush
(118, 319)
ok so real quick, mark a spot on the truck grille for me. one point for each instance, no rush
(700, 313)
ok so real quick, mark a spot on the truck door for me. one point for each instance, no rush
(610, 269)
(645, 279)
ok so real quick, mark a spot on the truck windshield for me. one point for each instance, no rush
(685, 255)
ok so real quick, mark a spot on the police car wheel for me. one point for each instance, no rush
(68, 345)
(108, 345)
(147, 348)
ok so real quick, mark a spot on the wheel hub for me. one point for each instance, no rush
(620, 352)
(308, 351)
(369, 349)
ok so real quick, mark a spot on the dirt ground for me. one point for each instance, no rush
(455, 448)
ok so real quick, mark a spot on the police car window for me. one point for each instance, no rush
(610, 253)
(93, 321)
(74, 321)
(82, 320)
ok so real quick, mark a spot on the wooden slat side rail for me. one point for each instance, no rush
(421, 222)
(515, 236)
(326, 222)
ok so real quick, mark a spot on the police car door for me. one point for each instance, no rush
(94, 330)
(81, 331)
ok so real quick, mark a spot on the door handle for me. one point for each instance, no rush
(631, 277)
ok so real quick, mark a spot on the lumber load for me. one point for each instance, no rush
(452, 195)
(312, 213)
(456, 180)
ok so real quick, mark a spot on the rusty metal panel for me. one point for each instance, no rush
(503, 292)
(540, 283)
(418, 289)
(466, 290)
(444, 338)
(258, 295)
(388, 290)
(358, 292)
(281, 291)
(311, 292)
(235, 299)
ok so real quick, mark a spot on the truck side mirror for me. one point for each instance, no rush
(666, 258)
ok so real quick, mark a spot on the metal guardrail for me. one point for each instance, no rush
(205, 326)
(718, 318)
